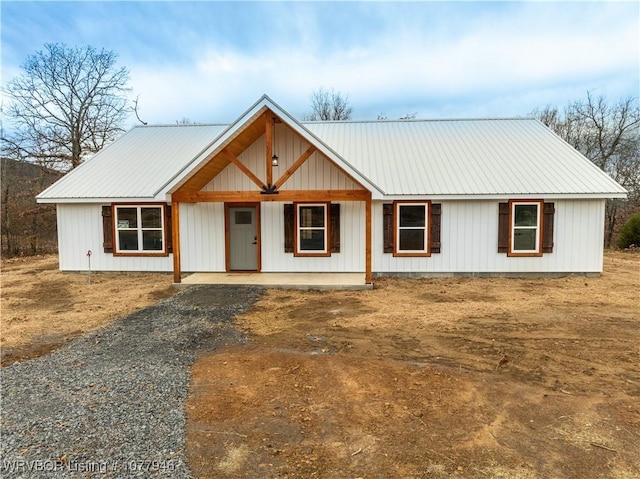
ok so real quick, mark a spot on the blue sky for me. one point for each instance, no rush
(209, 61)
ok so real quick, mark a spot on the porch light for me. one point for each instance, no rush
(274, 160)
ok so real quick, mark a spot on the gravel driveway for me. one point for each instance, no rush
(111, 404)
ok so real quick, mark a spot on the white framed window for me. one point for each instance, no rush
(312, 229)
(525, 220)
(139, 229)
(412, 224)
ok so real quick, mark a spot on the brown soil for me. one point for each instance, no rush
(470, 378)
(43, 308)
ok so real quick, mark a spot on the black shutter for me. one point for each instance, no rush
(434, 240)
(547, 227)
(334, 219)
(168, 228)
(503, 228)
(387, 227)
(107, 229)
(288, 228)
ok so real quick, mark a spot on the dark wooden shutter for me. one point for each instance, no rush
(168, 228)
(107, 229)
(434, 240)
(334, 219)
(503, 228)
(549, 211)
(387, 227)
(288, 228)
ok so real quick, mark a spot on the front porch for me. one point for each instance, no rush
(306, 281)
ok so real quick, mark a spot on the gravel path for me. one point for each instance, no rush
(111, 404)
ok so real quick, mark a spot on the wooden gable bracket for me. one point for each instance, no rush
(232, 158)
(297, 164)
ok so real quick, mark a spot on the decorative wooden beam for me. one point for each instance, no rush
(244, 169)
(284, 195)
(298, 163)
(175, 239)
(268, 135)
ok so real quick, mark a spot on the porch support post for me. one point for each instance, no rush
(368, 241)
(175, 236)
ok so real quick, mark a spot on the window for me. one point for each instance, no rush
(290, 238)
(389, 229)
(312, 231)
(140, 229)
(526, 227)
(411, 229)
(525, 224)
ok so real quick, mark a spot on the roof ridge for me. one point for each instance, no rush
(340, 122)
(169, 125)
(420, 120)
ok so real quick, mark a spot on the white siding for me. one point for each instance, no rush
(80, 230)
(352, 241)
(317, 173)
(202, 243)
(469, 239)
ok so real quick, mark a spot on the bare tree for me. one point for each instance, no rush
(67, 103)
(407, 116)
(609, 135)
(329, 105)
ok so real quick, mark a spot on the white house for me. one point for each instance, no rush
(271, 194)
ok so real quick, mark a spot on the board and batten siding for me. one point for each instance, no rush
(203, 242)
(317, 173)
(352, 242)
(80, 231)
(469, 235)
(469, 239)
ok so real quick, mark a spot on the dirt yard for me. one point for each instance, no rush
(468, 378)
(43, 308)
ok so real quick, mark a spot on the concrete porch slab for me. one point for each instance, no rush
(317, 281)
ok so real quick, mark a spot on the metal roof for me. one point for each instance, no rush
(465, 157)
(446, 158)
(137, 165)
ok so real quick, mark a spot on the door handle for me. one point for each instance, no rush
(255, 240)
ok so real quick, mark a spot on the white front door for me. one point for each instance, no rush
(243, 238)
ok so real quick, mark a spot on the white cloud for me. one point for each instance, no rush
(497, 61)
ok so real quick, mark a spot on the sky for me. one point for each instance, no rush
(209, 61)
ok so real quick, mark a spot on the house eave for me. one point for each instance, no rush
(505, 196)
(101, 200)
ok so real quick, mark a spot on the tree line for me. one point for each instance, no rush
(70, 102)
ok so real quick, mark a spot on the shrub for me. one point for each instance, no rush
(630, 232)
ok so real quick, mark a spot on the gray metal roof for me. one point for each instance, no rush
(447, 158)
(137, 165)
(464, 157)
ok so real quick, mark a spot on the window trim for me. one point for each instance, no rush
(426, 252)
(327, 229)
(512, 252)
(138, 206)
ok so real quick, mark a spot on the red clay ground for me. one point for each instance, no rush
(473, 378)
